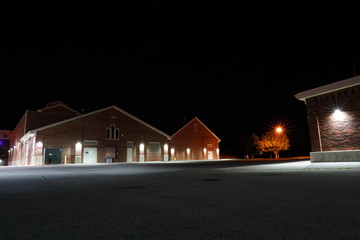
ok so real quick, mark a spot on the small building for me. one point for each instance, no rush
(333, 112)
(195, 141)
(4, 146)
(58, 134)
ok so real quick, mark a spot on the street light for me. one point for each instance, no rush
(279, 129)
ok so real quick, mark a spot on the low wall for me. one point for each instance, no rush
(336, 156)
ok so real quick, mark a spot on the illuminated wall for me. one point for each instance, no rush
(114, 134)
(106, 135)
(334, 120)
(194, 142)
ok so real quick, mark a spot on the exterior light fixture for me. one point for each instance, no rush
(38, 146)
(78, 147)
(338, 115)
(142, 152)
(142, 147)
(279, 129)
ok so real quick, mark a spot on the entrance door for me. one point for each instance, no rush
(210, 155)
(52, 156)
(129, 155)
(129, 151)
(90, 155)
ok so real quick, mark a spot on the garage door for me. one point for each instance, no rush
(52, 156)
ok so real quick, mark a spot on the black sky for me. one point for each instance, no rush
(237, 81)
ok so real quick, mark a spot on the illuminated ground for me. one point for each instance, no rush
(195, 200)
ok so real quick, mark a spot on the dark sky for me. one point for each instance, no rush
(236, 85)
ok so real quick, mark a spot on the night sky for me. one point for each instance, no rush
(235, 85)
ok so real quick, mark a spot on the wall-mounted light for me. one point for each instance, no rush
(142, 147)
(78, 148)
(339, 115)
(38, 146)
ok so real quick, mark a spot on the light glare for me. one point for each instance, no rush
(339, 115)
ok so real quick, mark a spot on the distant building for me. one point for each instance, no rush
(195, 141)
(333, 112)
(57, 134)
(4, 146)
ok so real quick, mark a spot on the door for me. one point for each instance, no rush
(129, 151)
(90, 155)
(52, 156)
(129, 155)
(210, 155)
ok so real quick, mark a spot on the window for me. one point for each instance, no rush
(154, 147)
(112, 132)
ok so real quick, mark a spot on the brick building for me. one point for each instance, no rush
(333, 112)
(57, 134)
(195, 141)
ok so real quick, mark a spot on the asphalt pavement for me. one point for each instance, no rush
(225, 199)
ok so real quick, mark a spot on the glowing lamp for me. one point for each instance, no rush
(338, 115)
(279, 129)
(39, 146)
(142, 147)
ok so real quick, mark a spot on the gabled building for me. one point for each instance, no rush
(195, 141)
(333, 112)
(57, 134)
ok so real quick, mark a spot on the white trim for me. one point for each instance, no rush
(350, 82)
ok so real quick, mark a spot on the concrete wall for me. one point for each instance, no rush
(335, 156)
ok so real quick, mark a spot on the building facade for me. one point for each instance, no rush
(58, 134)
(4, 146)
(333, 112)
(195, 141)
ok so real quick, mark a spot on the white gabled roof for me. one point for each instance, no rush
(32, 132)
(350, 82)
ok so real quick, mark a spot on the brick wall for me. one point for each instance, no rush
(93, 127)
(328, 133)
(196, 137)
